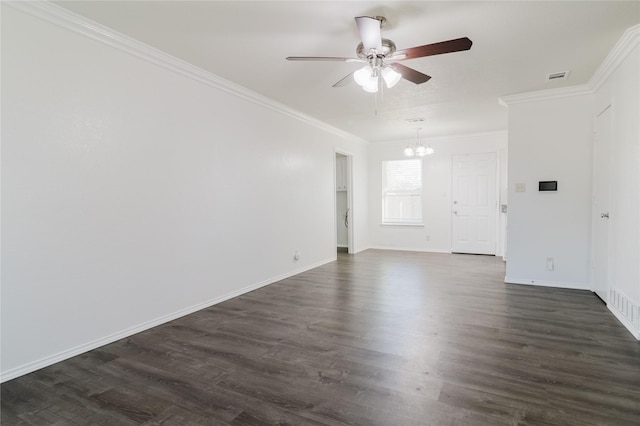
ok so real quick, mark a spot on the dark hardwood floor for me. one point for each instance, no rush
(379, 338)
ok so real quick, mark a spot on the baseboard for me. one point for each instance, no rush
(410, 249)
(622, 307)
(556, 284)
(625, 310)
(80, 349)
(360, 250)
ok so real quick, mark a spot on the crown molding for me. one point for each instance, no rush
(464, 136)
(452, 138)
(71, 21)
(545, 95)
(629, 40)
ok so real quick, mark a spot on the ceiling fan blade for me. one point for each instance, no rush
(369, 29)
(344, 81)
(410, 74)
(323, 58)
(449, 46)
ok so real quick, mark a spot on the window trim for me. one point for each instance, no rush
(402, 225)
(384, 191)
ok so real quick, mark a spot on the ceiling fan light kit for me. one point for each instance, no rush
(381, 57)
(390, 76)
(369, 78)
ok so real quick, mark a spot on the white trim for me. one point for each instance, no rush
(635, 333)
(420, 250)
(545, 95)
(80, 349)
(556, 284)
(66, 19)
(350, 191)
(451, 138)
(626, 310)
(629, 40)
(360, 250)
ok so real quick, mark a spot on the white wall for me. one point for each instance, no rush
(132, 194)
(621, 90)
(550, 139)
(436, 210)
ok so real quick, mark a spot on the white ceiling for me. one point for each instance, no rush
(515, 45)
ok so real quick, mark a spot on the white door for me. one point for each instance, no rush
(600, 210)
(474, 208)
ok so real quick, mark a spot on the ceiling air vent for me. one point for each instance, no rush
(414, 120)
(554, 76)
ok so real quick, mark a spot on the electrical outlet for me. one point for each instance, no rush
(428, 238)
(521, 187)
(549, 263)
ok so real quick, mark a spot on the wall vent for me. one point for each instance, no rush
(625, 307)
(562, 75)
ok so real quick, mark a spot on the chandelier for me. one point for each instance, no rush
(418, 148)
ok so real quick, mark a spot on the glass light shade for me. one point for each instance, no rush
(391, 77)
(408, 151)
(421, 151)
(429, 150)
(371, 86)
(363, 75)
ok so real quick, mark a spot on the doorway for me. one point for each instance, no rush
(343, 183)
(474, 206)
(600, 209)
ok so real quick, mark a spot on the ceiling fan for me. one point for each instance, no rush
(382, 58)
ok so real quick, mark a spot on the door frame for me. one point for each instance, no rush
(349, 172)
(595, 213)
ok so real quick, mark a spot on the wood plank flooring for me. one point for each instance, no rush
(379, 338)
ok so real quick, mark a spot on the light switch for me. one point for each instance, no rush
(521, 187)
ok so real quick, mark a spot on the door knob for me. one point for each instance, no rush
(604, 215)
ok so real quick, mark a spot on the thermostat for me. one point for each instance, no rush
(548, 185)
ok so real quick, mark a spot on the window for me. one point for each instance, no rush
(402, 192)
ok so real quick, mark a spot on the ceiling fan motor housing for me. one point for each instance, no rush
(388, 47)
